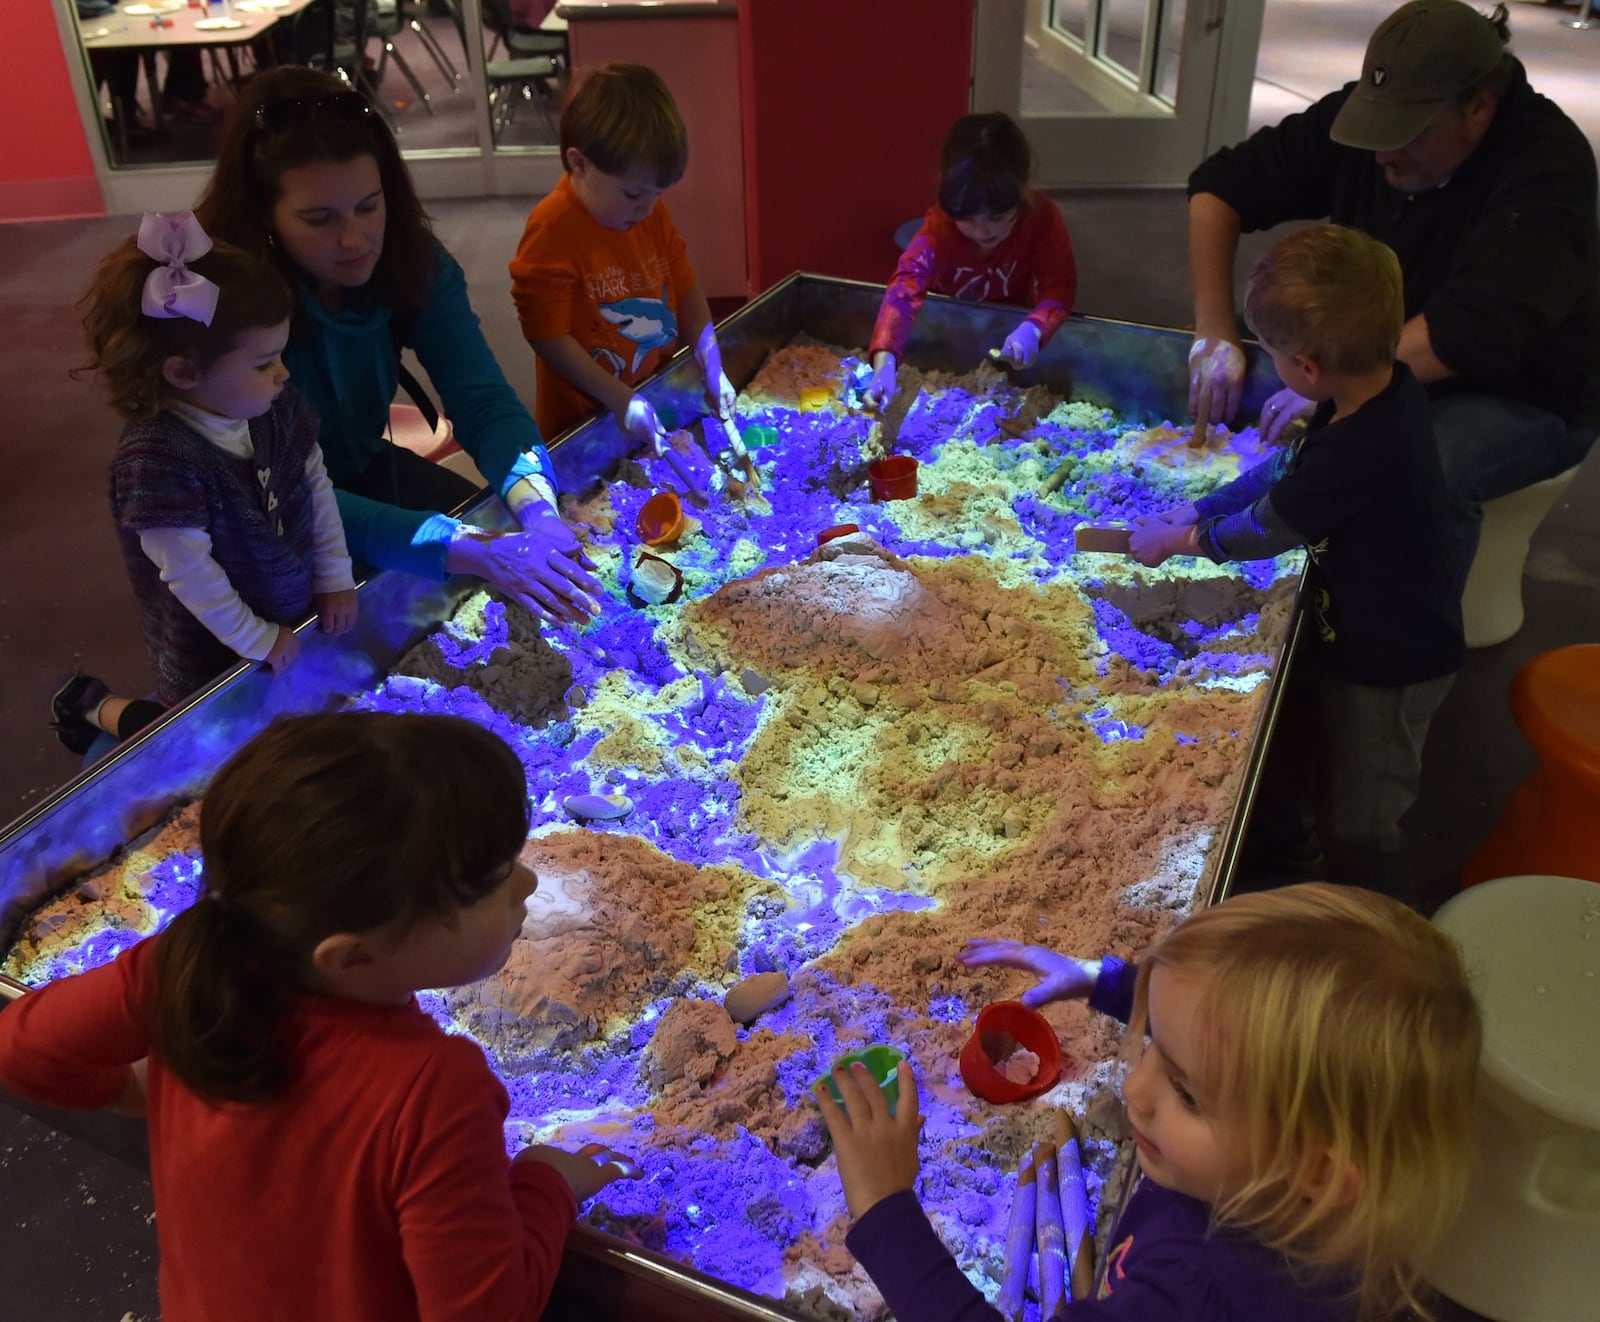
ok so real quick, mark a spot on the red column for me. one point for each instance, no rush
(845, 105)
(45, 169)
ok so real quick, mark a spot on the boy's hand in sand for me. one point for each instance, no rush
(1061, 977)
(586, 1171)
(877, 1151)
(1154, 541)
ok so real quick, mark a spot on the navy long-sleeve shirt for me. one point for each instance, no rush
(1366, 496)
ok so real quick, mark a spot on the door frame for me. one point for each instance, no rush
(1136, 139)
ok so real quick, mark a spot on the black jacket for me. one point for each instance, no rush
(1504, 259)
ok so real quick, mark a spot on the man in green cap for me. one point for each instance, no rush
(1487, 193)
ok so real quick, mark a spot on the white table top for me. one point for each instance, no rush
(123, 30)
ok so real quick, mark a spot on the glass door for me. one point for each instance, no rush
(1118, 92)
(471, 88)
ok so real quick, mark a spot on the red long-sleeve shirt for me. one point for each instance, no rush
(1033, 265)
(377, 1190)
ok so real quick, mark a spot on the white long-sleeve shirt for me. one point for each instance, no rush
(183, 555)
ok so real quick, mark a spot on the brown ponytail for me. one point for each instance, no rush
(323, 824)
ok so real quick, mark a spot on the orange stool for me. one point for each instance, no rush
(1551, 824)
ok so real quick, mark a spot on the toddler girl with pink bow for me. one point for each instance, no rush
(227, 519)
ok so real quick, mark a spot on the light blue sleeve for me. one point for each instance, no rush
(489, 420)
(413, 541)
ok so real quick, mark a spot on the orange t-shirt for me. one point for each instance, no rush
(615, 291)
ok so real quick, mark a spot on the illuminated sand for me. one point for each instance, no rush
(843, 763)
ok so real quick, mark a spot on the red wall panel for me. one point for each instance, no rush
(45, 169)
(846, 103)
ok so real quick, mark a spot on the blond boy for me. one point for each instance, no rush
(1364, 493)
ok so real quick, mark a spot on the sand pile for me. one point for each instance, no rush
(843, 762)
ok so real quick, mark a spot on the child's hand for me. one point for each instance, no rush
(639, 421)
(1022, 345)
(1061, 977)
(719, 390)
(880, 390)
(877, 1151)
(586, 1171)
(1180, 516)
(284, 650)
(538, 517)
(1154, 541)
(337, 609)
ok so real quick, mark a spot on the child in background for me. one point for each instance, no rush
(988, 239)
(1300, 1100)
(1364, 493)
(228, 523)
(319, 1147)
(601, 279)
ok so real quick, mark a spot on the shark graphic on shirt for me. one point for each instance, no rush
(611, 360)
(647, 323)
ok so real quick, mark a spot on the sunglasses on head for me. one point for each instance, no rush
(286, 112)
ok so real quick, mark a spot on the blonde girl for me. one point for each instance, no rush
(1303, 1063)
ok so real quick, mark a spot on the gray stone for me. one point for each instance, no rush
(753, 997)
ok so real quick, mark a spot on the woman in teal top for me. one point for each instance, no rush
(309, 177)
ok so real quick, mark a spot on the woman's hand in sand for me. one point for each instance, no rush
(541, 519)
(337, 610)
(1061, 977)
(586, 1171)
(534, 568)
(877, 1151)
(285, 647)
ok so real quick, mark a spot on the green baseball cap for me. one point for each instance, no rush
(1422, 56)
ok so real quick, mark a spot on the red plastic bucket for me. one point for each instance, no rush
(1001, 1028)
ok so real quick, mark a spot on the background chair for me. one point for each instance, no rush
(537, 60)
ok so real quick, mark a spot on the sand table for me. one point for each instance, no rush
(843, 761)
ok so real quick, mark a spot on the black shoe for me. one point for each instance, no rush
(70, 705)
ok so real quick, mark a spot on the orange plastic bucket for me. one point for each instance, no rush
(660, 519)
(894, 478)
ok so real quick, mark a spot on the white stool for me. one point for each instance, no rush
(1491, 606)
(1527, 1245)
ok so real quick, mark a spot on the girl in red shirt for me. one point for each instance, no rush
(319, 1146)
(989, 239)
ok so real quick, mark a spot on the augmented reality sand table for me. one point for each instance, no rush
(842, 762)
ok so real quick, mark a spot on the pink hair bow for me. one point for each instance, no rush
(172, 290)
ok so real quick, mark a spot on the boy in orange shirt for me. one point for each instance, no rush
(602, 281)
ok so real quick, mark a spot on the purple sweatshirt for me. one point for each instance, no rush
(1163, 1265)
